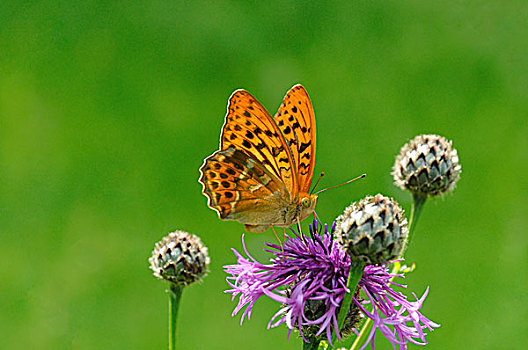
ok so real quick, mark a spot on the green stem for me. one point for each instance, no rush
(368, 323)
(416, 210)
(364, 330)
(356, 271)
(313, 344)
(175, 293)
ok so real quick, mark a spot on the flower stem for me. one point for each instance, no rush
(416, 210)
(313, 344)
(364, 330)
(175, 293)
(365, 327)
(356, 271)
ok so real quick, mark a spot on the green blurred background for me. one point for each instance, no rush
(107, 110)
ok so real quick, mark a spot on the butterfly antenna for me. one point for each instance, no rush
(344, 183)
(320, 176)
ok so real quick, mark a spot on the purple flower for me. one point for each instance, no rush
(388, 308)
(314, 269)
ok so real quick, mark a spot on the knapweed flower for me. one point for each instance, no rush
(305, 269)
(314, 269)
(373, 230)
(427, 166)
(180, 258)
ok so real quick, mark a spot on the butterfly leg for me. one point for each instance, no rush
(278, 239)
(300, 232)
(299, 227)
(319, 223)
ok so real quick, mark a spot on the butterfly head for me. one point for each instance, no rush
(308, 203)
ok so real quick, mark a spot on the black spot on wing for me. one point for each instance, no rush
(287, 170)
(304, 146)
(304, 168)
(275, 151)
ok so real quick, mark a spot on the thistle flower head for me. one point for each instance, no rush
(373, 230)
(308, 277)
(427, 166)
(305, 271)
(180, 258)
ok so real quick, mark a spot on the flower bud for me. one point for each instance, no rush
(373, 230)
(180, 258)
(427, 166)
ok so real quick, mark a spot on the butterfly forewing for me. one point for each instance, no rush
(249, 127)
(296, 120)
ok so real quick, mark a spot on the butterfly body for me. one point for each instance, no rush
(261, 174)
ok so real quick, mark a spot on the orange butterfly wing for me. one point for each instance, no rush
(240, 188)
(263, 164)
(249, 127)
(296, 119)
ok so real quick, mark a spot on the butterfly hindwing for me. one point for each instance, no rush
(296, 119)
(239, 188)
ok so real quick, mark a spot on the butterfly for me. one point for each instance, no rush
(262, 173)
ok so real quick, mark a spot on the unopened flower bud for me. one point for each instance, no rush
(180, 258)
(373, 230)
(427, 166)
